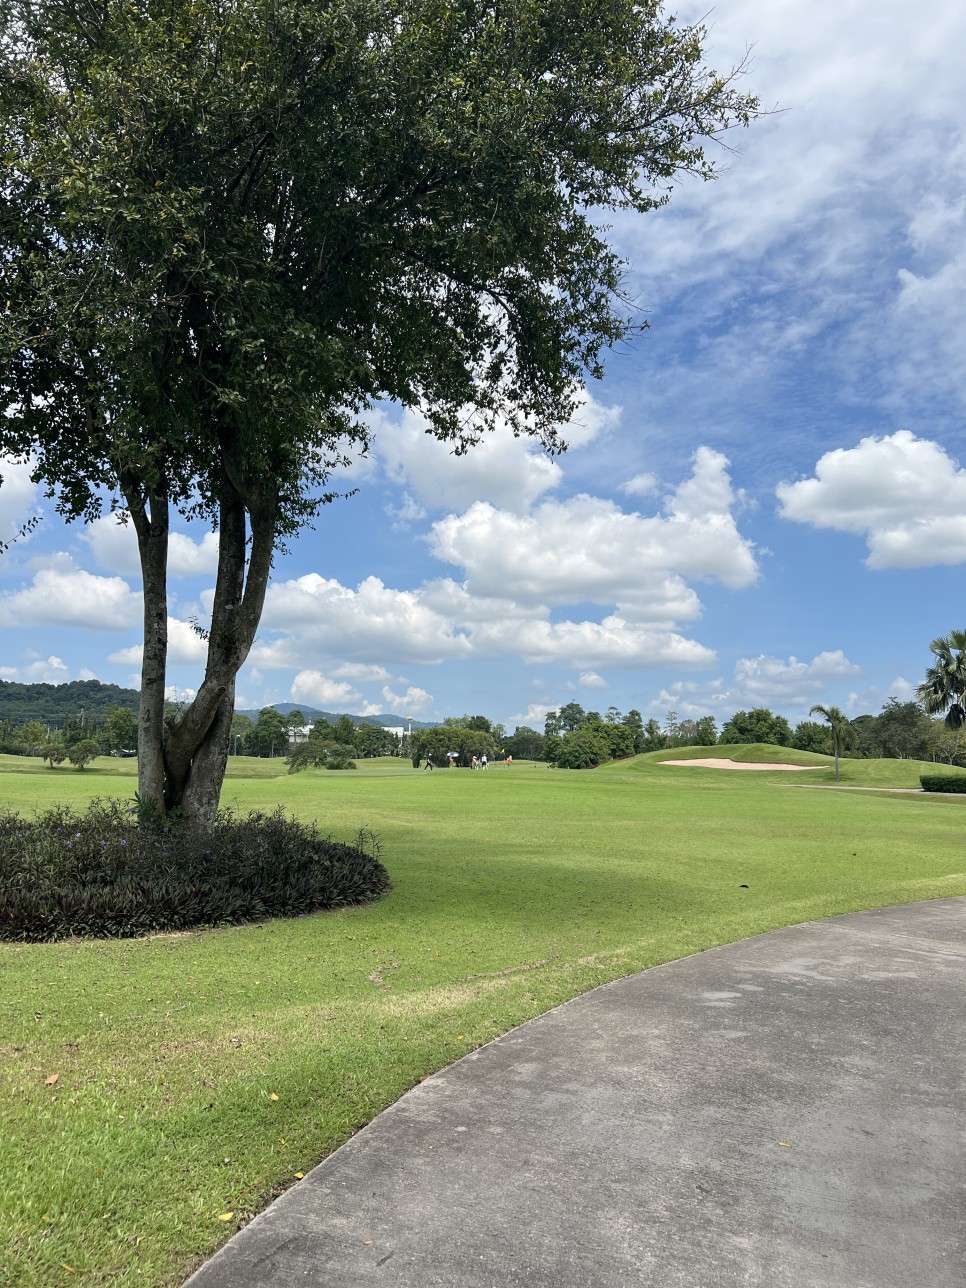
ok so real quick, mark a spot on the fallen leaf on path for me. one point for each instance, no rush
(784, 1144)
(226, 1216)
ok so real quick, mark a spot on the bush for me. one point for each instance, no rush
(319, 755)
(98, 874)
(582, 749)
(943, 782)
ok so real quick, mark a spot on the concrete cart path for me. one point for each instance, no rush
(784, 1112)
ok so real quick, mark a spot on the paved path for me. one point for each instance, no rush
(784, 1112)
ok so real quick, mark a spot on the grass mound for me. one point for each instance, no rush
(98, 875)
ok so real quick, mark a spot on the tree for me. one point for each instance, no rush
(582, 748)
(654, 738)
(439, 741)
(572, 717)
(344, 732)
(635, 724)
(843, 735)
(706, 732)
(227, 226)
(33, 735)
(83, 752)
(757, 725)
(122, 729)
(944, 688)
(809, 735)
(903, 730)
(524, 744)
(269, 737)
(54, 753)
(241, 727)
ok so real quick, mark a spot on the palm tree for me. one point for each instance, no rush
(944, 688)
(843, 734)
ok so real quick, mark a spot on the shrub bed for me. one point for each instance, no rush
(99, 875)
(943, 782)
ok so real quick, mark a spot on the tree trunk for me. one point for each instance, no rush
(196, 751)
(152, 534)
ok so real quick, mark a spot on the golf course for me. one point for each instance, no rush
(157, 1093)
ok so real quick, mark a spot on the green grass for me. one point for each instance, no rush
(198, 1073)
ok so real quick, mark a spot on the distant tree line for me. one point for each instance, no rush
(52, 704)
(113, 732)
(572, 737)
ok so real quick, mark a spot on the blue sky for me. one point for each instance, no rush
(762, 504)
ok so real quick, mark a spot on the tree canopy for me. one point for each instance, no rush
(757, 725)
(228, 226)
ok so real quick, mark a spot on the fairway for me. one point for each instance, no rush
(199, 1074)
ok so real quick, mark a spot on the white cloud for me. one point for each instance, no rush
(315, 689)
(17, 497)
(414, 701)
(640, 485)
(611, 642)
(762, 681)
(870, 701)
(45, 670)
(769, 681)
(510, 471)
(591, 680)
(58, 597)
(114, 546)
(371, 624)
(185, 647)
(904, 494)
(182, 694)
(360, 672)
(589, 550)
(533, 717)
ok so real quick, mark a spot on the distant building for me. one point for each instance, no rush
(397, 731)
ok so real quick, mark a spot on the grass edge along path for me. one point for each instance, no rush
(154, 1094)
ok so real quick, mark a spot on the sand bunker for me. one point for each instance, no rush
(739, 764)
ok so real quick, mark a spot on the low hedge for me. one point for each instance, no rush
(955, 783)
(99, 875)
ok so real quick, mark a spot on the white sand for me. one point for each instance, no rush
(739, 764)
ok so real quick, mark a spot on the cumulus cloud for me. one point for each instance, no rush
(185, 647)
(611, 642)
(414, 701)
(588, 549)
(640, 485)
(870, 701)
(360, 672)
(591, 680)
(904, 494)
(182, 694)
(45, 670)
(18, 497)
(533, 717)
(71, 597)
(508, 472)
(371, 624)
(762, 681)
(770, 681)
(114, 546)
(313, 688)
